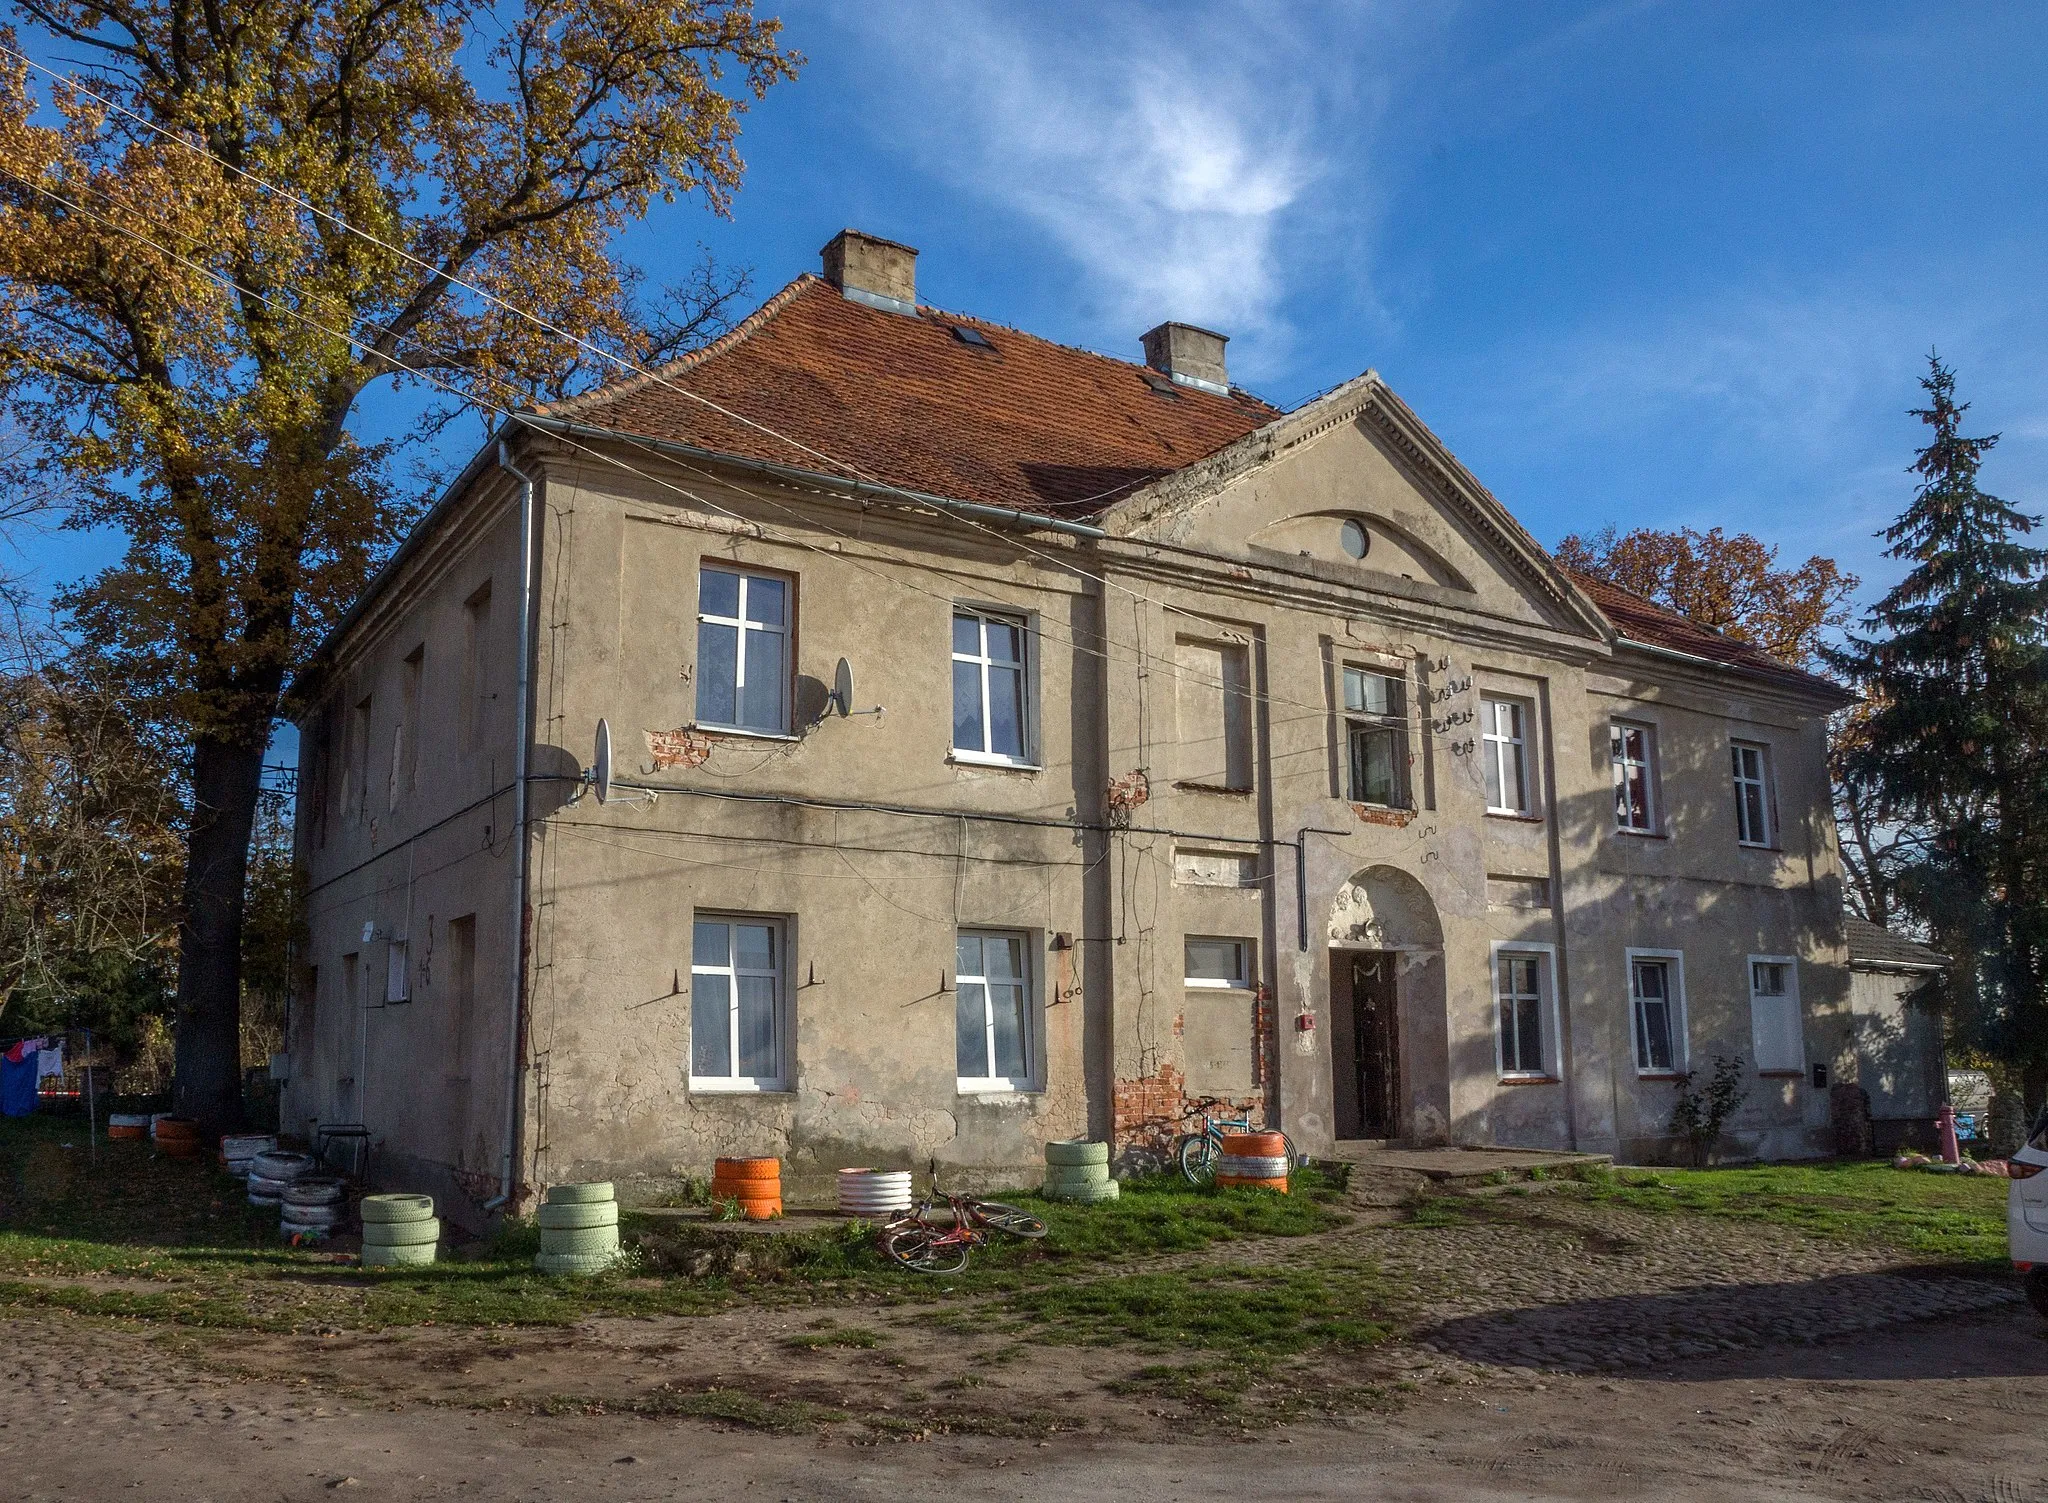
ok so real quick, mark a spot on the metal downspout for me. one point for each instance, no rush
(513, 1072)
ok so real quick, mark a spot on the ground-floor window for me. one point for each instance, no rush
(1521, 984)
(1774, 1023)
(1657, 1000)
(992, 979)
(736, 975)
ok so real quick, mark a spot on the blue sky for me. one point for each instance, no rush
(1637, 263)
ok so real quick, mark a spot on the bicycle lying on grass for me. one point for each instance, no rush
(916, 1240)
(1198, 1151)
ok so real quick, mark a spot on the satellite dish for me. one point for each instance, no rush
(842, 688)
(601, 773)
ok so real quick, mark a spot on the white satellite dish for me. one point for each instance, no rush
(841, 702)
(601, 771)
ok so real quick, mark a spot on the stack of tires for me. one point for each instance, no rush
(398, 1229)
(130, 1127)
(1254, 1158)
(271, 1174)
(756, 1184)
(177, 1137)
(579, 1230)
(237, 1151)
(311, 1208)
(1079, 1170)
(874, 1194)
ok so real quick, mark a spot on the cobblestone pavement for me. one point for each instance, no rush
(1550, 1282)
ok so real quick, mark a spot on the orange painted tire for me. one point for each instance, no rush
(1255, 1145)
(760, 1207)
(179, 1148)
(1264, 1184)
(738, 1169)
(127, 1134)
(182, 1128)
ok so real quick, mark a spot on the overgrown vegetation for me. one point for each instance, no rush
(1697, 1116)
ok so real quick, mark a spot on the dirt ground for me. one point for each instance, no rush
(1948, 1409)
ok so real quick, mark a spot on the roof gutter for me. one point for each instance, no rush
(1676, 655)
(1008, 516)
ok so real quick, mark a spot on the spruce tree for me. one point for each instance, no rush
(1955, 667)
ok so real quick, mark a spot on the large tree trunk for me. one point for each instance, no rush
(225, 782)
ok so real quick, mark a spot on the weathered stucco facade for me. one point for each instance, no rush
(1256, 692)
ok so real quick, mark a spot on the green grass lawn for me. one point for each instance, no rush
(1936, 1217)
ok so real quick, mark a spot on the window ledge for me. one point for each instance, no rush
(1513, 816)
(1223, 788)
(981, 759)
(1002, 1089)
(1640, 834)
(1660, 1074)
(1193, 984)
(1758, 845)
(739, 1088)
(742, 732)
(1532, 1080)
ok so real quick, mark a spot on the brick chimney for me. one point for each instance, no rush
(1189, 356)
(871, 270)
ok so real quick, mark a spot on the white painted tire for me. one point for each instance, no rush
(1077, 1174)
(128, 1119)
(1245, 1166)
(315, 1190)
(281, 1165)
(581, 1265)
(583, 1239)
(271, 1190)
(402, 1233)
(324, 1217)
(1086, 1195)
(573, 1216)
(247, 1145)
(1072, 1152)
(375, 1256)
(581, 1195)
(396, 1207)
(870, 1193)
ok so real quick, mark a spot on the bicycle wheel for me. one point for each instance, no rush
(1008, 1219)
(923, 1249)
(1293, 1158)
(1197, 1158)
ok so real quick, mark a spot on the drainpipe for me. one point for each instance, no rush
(513, 1083)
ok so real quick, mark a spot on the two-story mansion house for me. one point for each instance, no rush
(1197, 752)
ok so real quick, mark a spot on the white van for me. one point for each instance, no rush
(2026, 1213)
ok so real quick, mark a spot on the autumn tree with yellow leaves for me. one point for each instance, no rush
(227, 222)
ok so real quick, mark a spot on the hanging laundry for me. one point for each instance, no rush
(17, 1086)
(49, 1061)
(24, 1049)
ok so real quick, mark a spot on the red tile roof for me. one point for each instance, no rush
(1643, 620)
(900, 400)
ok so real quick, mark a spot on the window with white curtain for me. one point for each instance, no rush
(1633, 751)
(1752, 769)
(992, 981)
(991, 688)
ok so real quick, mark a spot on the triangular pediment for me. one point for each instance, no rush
(1357, 485)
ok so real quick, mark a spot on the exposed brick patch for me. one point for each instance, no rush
(1397, 818)
(1152, 1110)
(678, 748)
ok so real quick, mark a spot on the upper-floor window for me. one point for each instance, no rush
(476, 636)
(1505, 754)
(736, 980)
(355, 771)
(405, 741)
(992, 980)
(742, 651)
(1633, 751)
(1376, 737)
(1213, 714)
(1753, 821)
(1775, 1027)
(1657, 1002)
(1218, 962)
(991, 687)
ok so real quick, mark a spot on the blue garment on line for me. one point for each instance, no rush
(17, 1086)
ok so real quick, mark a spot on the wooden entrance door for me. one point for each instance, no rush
(1375, 1043)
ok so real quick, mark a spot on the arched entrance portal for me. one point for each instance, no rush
(1388, 1046)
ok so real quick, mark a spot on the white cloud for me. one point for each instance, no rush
(1168, 154)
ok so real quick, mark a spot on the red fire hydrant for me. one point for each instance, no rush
(1945, 1124)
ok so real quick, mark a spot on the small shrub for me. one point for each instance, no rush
(1697, 1116)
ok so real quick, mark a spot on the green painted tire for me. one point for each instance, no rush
(1075, 1151)
(395, 1208)
(394, 1257)
(572, 1215)
(581, 1195)
(402, 1233)
(580, 1239)
(1086, 1195)
(1076, 1175)
(580, 1264)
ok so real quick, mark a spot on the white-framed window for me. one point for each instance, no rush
(1656, 992)
(992, 979)
(1776, 1029)
(1526, 1042)
(1505, 753)
(737, 966)
(1213, 714)
(743, 622)
(991, 687)
(1376, 737)
(1752, 768)
(397, 972)
(1632, 749)
(1214, 962)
